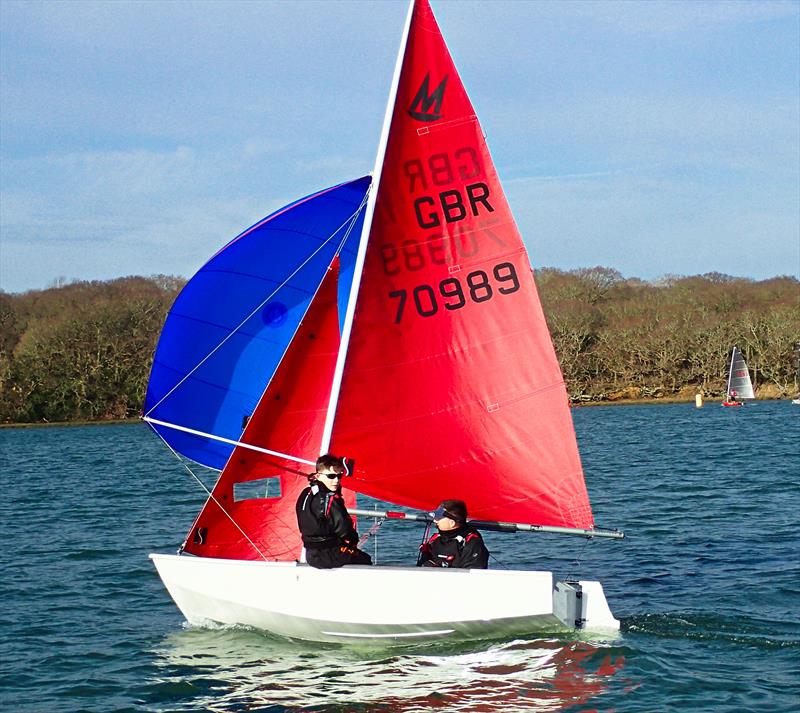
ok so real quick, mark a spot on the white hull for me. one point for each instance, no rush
(383, 604)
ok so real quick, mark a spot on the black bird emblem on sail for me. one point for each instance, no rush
(426, 105)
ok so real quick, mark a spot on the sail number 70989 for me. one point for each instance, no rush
(452, 294)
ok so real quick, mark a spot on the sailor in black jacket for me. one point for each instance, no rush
(456, 544)
(327, 529)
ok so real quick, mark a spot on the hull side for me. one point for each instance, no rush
(379, 604)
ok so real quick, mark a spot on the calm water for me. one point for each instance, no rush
(706, 585)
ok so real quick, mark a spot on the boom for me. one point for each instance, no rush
(493, 525)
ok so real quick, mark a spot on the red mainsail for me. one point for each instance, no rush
(451, 387)
(259, 491)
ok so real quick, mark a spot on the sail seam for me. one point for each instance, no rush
(504, 336)
(528, 395)
(467, 403)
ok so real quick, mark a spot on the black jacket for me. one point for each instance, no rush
(323, 519)
(462, 548)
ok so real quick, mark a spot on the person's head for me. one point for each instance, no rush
(329, 471)
(450, 515)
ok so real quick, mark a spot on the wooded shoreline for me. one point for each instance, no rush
(81, 352)
(589, 404)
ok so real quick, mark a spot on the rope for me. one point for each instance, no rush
(351, 220)
(372, 531)
(577, 562)
(349, 223)
(502, 564)
(211, 497)
(424, 541)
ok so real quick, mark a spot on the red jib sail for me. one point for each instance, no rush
(451, 387)
(259, 491)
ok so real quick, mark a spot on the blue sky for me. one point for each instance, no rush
(655, 138)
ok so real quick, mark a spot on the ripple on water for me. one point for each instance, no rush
(705, 585)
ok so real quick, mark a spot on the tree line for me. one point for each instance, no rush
(82, 351)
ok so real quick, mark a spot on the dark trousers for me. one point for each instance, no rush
(333, 557)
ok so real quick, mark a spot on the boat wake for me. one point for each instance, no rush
(246, 668)
(700, 626)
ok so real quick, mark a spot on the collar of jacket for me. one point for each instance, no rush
(462, 531)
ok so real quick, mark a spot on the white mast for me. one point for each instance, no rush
(730, 374)
(362, 246)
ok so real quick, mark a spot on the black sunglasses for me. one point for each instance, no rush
(330, 475)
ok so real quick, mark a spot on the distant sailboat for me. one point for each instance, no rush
(394, 320)
(739, 388)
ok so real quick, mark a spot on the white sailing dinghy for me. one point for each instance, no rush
(394, 319)
(740, 387)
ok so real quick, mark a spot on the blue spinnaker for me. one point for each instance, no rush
(232, 322)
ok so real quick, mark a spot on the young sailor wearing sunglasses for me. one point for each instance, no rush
(456, 544)
(329, 536)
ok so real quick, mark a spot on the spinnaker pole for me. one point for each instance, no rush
(230, 441)
(492, 525)
(358, 269)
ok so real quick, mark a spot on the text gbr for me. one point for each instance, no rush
(443, 208)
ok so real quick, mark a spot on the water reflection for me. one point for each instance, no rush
(222, 670)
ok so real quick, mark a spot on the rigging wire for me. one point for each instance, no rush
(503, 565)
(577, 561)
(349, 222)
(353, 220)
(211, 497)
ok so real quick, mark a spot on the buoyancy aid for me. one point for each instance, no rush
(323, 519)
(315, 528)
(463, 547)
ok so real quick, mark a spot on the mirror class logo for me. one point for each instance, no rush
(427, 105)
